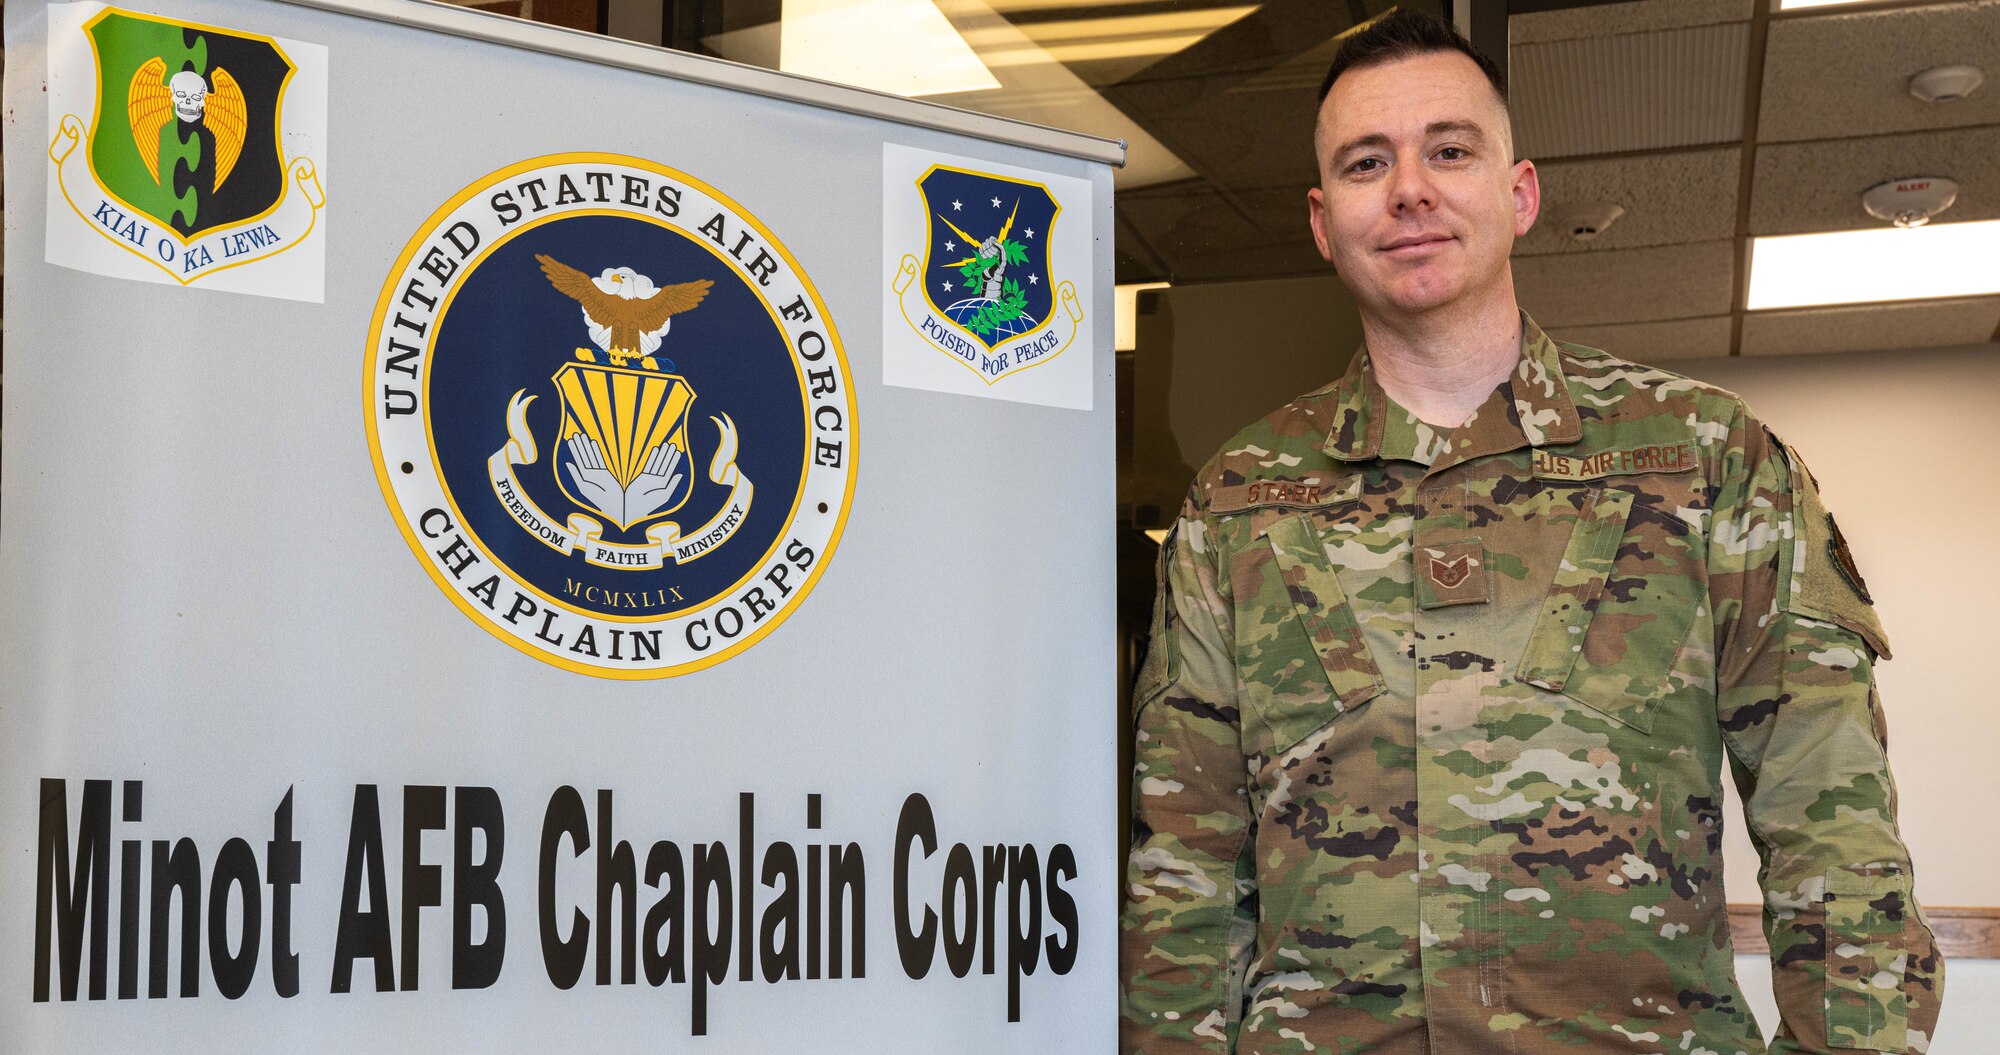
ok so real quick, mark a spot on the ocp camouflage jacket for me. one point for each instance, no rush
(1430, 736)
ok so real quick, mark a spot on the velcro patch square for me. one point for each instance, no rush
(1451, 573)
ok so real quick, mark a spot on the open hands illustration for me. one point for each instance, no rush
(648, 492)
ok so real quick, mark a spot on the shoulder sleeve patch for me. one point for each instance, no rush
(1825, 582)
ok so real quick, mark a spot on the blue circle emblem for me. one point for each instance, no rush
(611, 415)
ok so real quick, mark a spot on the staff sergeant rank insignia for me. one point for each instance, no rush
(986, 296)
(639, 488)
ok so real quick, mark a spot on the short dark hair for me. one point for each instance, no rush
(1406, 34)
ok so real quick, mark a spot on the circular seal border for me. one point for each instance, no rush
(373, 400)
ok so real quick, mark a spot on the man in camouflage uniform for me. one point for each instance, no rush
(1430, 737)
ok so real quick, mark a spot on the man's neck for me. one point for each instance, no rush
(1441, 366)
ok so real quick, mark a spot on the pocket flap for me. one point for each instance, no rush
(1323, 610)
(1555, 643)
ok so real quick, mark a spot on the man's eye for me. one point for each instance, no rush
(1452, 153)
(1356, 167)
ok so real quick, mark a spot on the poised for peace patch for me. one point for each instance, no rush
(988, 272)
(610, 415)
(185, 153)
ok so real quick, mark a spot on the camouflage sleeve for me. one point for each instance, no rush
(1854, 964)
(1188, 925)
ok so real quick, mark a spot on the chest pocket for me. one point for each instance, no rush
(1610, 629)
(1311, 642)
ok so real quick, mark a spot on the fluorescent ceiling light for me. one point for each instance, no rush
(905, 47)
(1890, 263)
(1015, 6)
(1125, 314)
(1108, 36)
(1794, 5)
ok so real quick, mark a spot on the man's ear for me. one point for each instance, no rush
(1316, 217)
(1527, 186)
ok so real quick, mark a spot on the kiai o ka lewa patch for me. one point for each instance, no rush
(185, 153)
(610, 415)
(988, 276)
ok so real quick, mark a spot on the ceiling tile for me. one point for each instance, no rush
(1639, 16)
(1833, 75)
(1203, 236)
(1817, 186)
(1668, 198)
(1635, 91)
(1628, 285)
(1872, 327)
(1666, 341)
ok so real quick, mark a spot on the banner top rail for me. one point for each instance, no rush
(647, 58)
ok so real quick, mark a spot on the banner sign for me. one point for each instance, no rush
(638, 656)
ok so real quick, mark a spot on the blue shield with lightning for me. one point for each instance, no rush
(986, 263)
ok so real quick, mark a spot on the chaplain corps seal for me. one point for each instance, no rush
(610, 415)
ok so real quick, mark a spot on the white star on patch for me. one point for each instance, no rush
(957, 205)
(950, 246)
(996, 203)
(1029, 231)
(947, 287)
(1034, 280)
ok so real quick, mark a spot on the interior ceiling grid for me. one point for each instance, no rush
(1622, 116)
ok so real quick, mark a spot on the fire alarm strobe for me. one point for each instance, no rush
(1910, 202)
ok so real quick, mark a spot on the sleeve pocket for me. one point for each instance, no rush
(1866, 1008)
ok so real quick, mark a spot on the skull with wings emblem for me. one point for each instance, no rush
(154, 99)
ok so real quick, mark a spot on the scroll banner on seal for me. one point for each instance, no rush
(990, 364)
(291, 220)
(583, 534)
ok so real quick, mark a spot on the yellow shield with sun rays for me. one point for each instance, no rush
(628, 414)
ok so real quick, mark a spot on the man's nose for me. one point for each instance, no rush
(1410, 187)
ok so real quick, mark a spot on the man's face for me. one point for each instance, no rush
(1418, 206)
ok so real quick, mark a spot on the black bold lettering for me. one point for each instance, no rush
(476, 810)
(364, 934)
(235, 866)
(915, 947)
(423, 885)
(61, 902)
(563, 957)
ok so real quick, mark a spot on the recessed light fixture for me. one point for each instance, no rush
(1849, 267)
(1794, 5)
(905, 47)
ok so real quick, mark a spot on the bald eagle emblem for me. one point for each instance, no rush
(624, 446)
(627, 314)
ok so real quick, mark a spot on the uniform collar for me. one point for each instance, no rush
(1533, 409)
